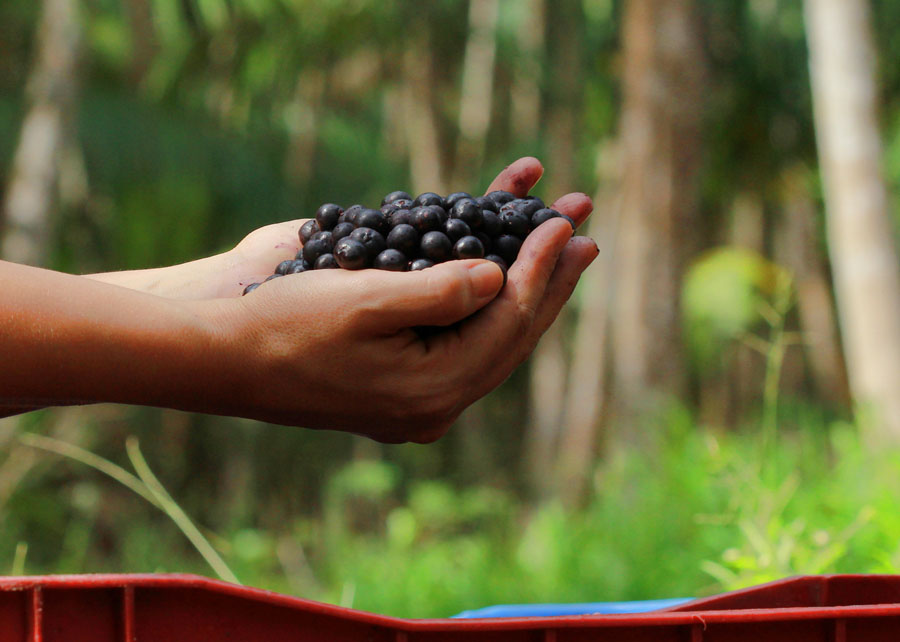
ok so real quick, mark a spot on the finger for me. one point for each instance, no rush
(507, 319)
(577, 206)
(578, 254)
(438, 296)
(519, 177)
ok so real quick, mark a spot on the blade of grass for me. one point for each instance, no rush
(176, 513)
(18, 565)
(88, 458)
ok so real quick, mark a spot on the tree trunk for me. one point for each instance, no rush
(585, 398)
(476, 95)
(860, 235)
(525, 92)
(549, 363)
(798, 250)
(52, 88)
(661, 143)
(422, 141)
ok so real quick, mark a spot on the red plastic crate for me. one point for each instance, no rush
(181, 608)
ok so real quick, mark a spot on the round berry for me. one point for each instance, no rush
(429, 198)
(571, 221)
(456, 229)
(395, 196)
(500, 197)
(404, 238)
(467, 211)
(250, 288)
(298, 266)
(315, 248)
(542, 216)
(273, 276)
(327, 215)
(308, 229)
(399, 217)
(420, 264)
(491, 223)
(486, 204)
(325, 236)
(456, 196)
(436, 246)
(507, 247)
(499, 261)
(351, 254)
(373, 219)
(425, 219)
(341, 230)
(326, 262)
(350, 214)
(515, 223)
(486, 241)
(393, 260)
(441, 212)
(372, 240)
(283, 267)
(468, 247)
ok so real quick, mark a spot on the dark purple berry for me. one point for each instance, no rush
(455, 196)
(404, 238)
(350, 214)
(441, 212)
(571, 221)
(327, 215)
(373, 219)
(393, 260)
(542, 216)
(299, 257)
(516, 223)
(341, 230)
(297, 266)
(420, 264)
(326, 262)
(499, 261)
(315, 248)
(395, 196)
(308, 229)
(456, 229)
(250, 288)
(399, 217)
(283, 267)
(491, 223)
(507, 247)
(351, 254)
(468, 247)
(436, 246)
(467, 211)
(486, 241)
(425, 219)
(500, 197)
(429, 198)
(273, 276)
(486, 204)
(372, 240)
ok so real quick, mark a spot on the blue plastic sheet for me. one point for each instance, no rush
(589, 608)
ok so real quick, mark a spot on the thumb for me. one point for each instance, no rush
(440, 295)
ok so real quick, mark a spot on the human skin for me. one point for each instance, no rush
(331, 349)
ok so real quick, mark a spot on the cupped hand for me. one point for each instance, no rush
(337, 349)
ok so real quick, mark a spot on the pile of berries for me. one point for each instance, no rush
(414, 234)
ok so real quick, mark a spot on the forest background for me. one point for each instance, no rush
(716, 407)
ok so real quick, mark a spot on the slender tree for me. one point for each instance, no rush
(663, 82)
(860, 236)
(53, 88)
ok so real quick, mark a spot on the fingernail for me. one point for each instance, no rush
(486, 278)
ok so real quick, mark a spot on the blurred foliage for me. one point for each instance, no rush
(190, 119)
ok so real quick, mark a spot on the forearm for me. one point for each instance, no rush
(71, 340)
(186, 281)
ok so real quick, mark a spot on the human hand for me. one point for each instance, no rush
(336, 349)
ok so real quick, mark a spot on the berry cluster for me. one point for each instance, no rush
(414, 234)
